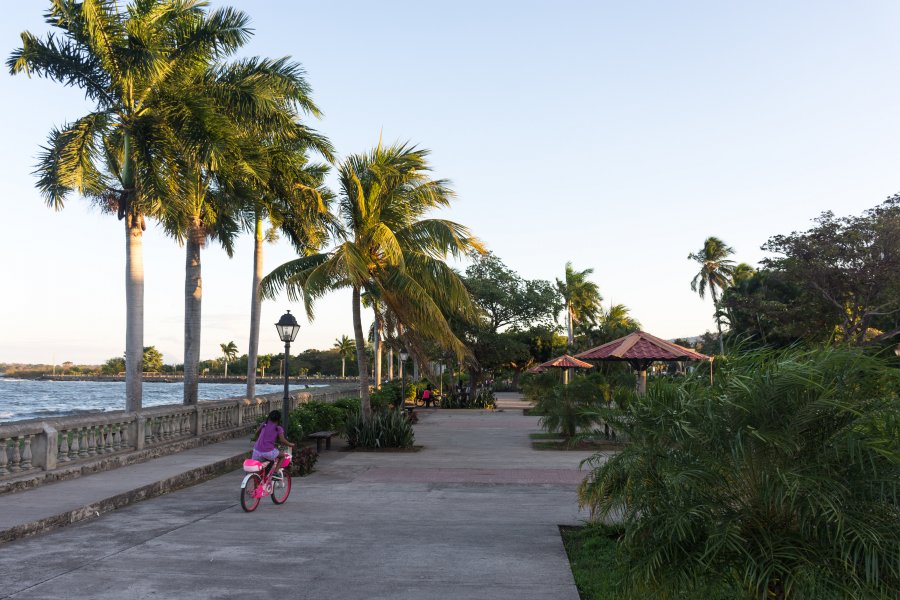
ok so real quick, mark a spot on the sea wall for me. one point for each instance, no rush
(40, 451)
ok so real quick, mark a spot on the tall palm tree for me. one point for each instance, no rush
(346, 348)
(581, 297)
(229, 353)
(716, 272)
(294, 199)
(131, 62)
(388, 248)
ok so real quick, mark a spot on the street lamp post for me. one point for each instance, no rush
(403, 356)
(288, 328)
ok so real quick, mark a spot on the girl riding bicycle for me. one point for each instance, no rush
(269, 433)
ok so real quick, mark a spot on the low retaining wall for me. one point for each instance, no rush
(41, 451)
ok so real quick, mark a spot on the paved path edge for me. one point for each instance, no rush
(144, 492)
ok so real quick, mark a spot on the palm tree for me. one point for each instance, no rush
(581, 297)
(132, 63)
(742, 272)
(259, 127)
(716, 272)
(345, 347)
(388, 249)
(294, 199)
(264, 362)
(229, 353)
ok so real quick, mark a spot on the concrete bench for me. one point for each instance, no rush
(322, 436)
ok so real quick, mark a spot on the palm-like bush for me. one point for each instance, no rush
(387, 429)
(781, 480)
(568, 409)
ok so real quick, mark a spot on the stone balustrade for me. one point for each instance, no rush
(37, 445)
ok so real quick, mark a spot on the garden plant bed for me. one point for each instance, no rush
(592, 557)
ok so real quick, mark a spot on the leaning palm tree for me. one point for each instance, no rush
(346, 348)
(581, 298)
(389, 249)
(229, 353)
(716, 272)
(131, 63)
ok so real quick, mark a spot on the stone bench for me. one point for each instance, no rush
(322, 436)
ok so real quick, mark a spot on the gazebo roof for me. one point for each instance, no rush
(536, 369)
(566, 362)
(641, 346)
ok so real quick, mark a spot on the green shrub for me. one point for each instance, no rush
(317, 416)
(781, 479)
(382, 399)
(389, 429)
(348, 405)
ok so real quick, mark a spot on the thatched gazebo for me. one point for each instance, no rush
(639, 349)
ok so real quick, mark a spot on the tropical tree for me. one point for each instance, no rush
(716, 272)
(581, 298)
(293, 198)
(229, 353)
(131, 62)
(346, 348)
(389, 248)
(152, 360)
(264, 362)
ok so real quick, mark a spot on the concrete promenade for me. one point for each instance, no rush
(473, 515)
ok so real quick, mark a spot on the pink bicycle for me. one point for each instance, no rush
(257, 484)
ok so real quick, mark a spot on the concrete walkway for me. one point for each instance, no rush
(472, 515)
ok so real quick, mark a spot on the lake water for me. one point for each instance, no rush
(30, 399)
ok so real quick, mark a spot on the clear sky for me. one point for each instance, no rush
(617, 135)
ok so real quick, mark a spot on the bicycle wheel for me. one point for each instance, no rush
(420, 402)
(281, 487)
(249, 500)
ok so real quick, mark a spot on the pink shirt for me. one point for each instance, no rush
(268, 434)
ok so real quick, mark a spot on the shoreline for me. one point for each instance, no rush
(179, 378)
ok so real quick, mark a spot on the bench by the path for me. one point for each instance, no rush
(322, 436)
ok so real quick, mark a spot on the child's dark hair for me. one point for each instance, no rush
(275, 416)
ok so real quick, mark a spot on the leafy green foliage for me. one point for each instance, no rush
(837, 282)
(781, 479)
(317, 416)
(389, 429)
(567, 409)
(153, 360)
(388, 395)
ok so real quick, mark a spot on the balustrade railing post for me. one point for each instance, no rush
(197, 421)
(136, 431)
(44, 448)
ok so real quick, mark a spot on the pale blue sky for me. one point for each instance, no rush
(617, 135)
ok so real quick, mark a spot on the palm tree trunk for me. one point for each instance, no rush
(712, 289)
(343, 363)
(376, 338)
(255, 308)
(361, 358)
(226, 369)
(134, 310)
(570, 326)
(390, 364)
(193, 296)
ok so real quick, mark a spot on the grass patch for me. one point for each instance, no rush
(382, 450)
(592, 557)
(532, 412)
